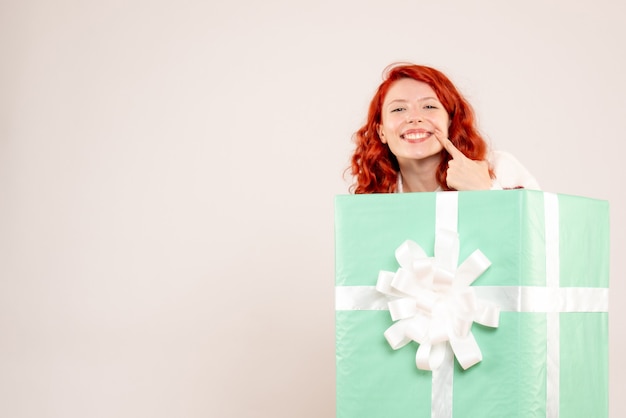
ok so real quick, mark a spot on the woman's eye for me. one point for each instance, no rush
(397, 109)
(430, 107)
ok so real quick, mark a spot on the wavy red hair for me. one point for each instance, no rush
(375, 168)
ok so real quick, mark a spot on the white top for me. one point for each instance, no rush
(509, 172)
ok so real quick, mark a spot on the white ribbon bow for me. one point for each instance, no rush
(433, 303)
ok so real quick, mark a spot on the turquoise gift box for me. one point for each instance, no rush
(549, 274)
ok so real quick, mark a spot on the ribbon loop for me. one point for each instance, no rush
(402, 308)
(407, 252)
(396, 335)
(472, 268)
(466, 350)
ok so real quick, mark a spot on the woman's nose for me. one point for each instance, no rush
(413, 116)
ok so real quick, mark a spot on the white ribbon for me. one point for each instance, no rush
(508, 298)
(553, 274)
(433, 304)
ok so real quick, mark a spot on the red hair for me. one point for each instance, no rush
(373, 165)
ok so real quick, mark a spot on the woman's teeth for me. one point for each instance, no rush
(419, 135)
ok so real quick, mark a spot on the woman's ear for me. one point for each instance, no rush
(381, 134)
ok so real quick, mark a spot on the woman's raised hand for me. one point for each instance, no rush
(463, 172)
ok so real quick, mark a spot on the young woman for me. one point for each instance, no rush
(420, 136)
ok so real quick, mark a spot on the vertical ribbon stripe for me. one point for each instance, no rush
(551, 221)
(446, 219)
(442, 389)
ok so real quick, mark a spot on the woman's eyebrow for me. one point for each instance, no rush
(397, 101)
(421, 99)
(427, 98)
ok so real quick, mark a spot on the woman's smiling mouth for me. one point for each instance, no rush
(415, 136)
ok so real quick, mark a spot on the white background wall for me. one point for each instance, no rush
(167, 174)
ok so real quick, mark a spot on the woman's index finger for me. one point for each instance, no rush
(448, 145)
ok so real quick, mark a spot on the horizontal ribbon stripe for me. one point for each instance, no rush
(508, 298)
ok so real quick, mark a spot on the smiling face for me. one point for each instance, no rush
(410, 113)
